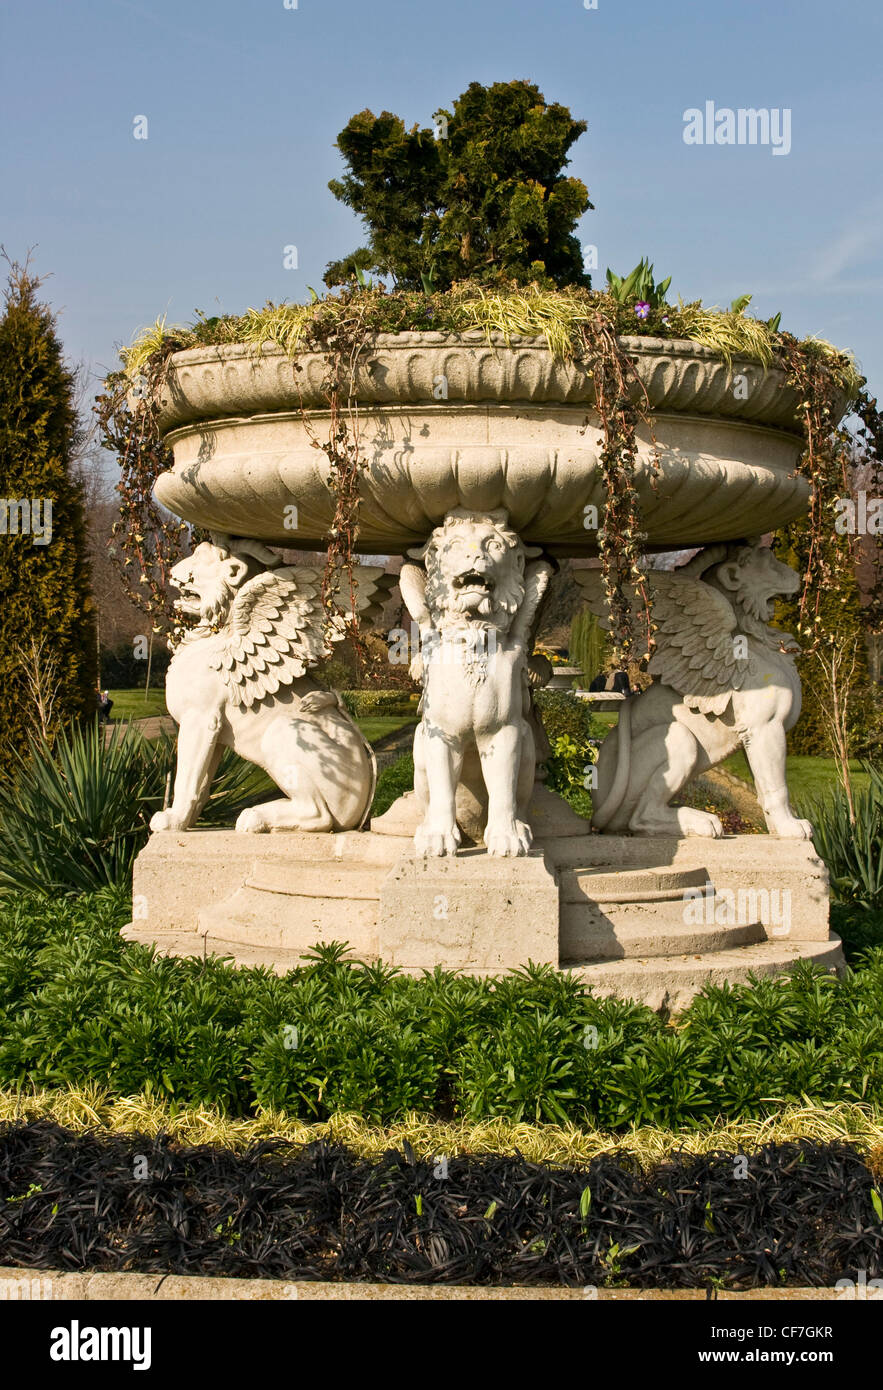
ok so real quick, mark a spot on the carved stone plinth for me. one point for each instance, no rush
(474, 913)
(645, 918)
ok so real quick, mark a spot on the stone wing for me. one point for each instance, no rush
(276, 630)
(694, 627)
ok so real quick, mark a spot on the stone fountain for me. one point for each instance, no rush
(482, 467)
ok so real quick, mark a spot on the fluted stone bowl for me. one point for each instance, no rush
(448, 420)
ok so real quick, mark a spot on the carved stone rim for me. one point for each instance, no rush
(426, 337)
(678, 375)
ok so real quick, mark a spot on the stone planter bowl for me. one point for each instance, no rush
(448, 420)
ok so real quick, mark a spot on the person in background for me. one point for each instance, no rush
(105, 705)
(616, 682)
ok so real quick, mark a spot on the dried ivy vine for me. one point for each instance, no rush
(147, 541)
(831, 451)
(621, 402)
(341, 344)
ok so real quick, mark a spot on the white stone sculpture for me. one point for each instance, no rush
(725, 679)
(239, 679)
(475, 599)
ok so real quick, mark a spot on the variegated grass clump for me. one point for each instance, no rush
(91, 1108)
(561, 317)
(149, 341)
(556, 317)
(727, 333)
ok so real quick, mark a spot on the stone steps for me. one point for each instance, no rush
(612, 909)
(197, 945)
(672, 981)
(338, 879)
(622, 886)
(633, 930)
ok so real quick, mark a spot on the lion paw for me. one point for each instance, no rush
(436, 841)
(694, 822)
(251, 822)
(508, 841)
(165, 820)
(791, 828)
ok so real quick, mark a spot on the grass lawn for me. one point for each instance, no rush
(377, 725)
(808, 778)
(137, 704)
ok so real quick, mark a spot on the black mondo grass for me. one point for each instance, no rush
(793, 1214)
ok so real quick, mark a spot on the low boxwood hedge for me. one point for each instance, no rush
(365, 704)
(77, 1004)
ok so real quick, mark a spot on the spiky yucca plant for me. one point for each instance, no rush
(853, 853)
(76, 814)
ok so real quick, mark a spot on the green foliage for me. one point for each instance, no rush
(567, 771)
(588, 644)
(74, 815)
(838, 610)
(563, 714)
(639, 286)
(574, 736)
(47, 636)
(121, 669)
(392, 783)
(487, 200)
(860, 929)
(363, 704)
(77, 1004)
(566, 317)
(853, 853)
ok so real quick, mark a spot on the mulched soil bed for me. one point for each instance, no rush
(803, 1215)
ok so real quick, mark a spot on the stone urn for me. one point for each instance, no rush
(449, 421)
(564, 678)
(474, 447)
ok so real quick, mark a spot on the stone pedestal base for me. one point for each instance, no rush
(644, 918)
(475, 914)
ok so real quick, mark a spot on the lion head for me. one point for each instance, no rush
(207, 582)
(474, 570)
(753, 579)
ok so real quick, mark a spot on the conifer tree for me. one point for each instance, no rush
(479, 196)
(47, 641)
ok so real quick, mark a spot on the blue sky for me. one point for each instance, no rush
(244, 102)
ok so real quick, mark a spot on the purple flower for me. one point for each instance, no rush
(642, 309)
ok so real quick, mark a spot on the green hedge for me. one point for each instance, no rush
(363, 704)
(565, 716)
(79, 1005)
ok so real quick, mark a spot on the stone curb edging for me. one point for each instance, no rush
(29, 1285)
